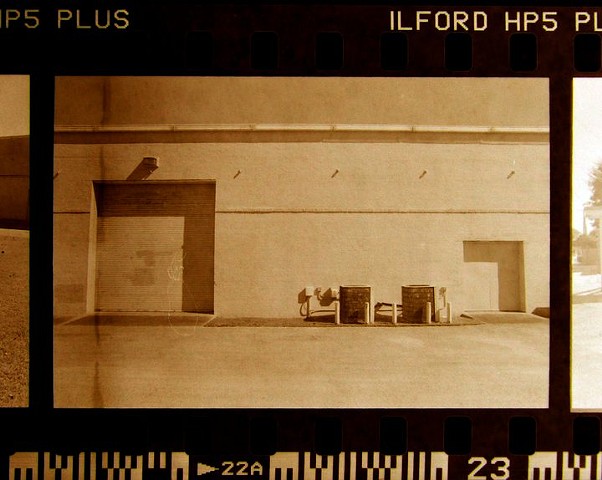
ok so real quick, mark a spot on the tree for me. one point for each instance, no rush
(595, 185)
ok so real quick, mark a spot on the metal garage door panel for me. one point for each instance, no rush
(140, 263)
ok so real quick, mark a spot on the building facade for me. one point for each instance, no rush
(232, 195)
(14, 151)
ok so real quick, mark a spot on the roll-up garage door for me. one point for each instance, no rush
(155, 246)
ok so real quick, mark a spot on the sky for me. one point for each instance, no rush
(587, 140)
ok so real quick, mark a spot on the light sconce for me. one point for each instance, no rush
(152, 163)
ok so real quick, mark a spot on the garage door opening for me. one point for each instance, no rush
(493, 276)
(155, 246)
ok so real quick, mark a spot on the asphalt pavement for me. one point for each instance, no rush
(170, 363)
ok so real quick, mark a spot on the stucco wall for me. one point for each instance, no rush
(287, 221)
(300, 176)
(297, 208)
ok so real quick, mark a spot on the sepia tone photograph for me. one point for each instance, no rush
(252, 242)
(14, 241)
(586, 295)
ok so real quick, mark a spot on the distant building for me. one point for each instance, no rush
(14, 151)
(231, 195)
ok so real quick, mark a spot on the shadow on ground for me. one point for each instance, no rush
(321, 320)
(589, 298)
(505, 317)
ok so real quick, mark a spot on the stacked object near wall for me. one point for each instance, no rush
(353, 300)
(414, 299)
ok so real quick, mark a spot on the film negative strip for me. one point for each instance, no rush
(300, 241)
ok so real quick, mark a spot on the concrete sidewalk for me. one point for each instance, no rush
(177, 365)
(586, 339)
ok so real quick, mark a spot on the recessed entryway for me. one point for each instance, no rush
(155, 246)
(493, 276)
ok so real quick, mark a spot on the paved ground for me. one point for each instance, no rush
(14, 318)
(175, 362)
(586, 347)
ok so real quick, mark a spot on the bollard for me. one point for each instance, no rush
(394, 313)
(352, 299)
(449, 313)
(427, 312)
(367, 312)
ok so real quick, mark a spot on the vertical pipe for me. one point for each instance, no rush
(371, 305)
(427, 312)
(449, 313)
(337, 312)
(367, 312)
(394, 313)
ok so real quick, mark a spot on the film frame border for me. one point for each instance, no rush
(556, 59)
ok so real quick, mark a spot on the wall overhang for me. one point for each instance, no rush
(282, 133)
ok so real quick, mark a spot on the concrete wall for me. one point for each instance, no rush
(14, 182)
(285, 222)
(198, 100)
(14, 103)
(293, 211)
